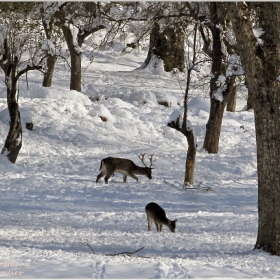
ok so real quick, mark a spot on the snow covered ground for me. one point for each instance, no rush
(51, 207)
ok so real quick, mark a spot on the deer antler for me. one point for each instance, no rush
(142, 156)
(151, 160)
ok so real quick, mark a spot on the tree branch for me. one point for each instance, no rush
(28, 68)
(125, 253)
(112, 255)
(88, 246)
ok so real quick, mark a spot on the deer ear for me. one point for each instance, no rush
(176, 220)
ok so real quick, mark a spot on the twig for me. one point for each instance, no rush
(125, 253)
(88, 246)
(245, 130)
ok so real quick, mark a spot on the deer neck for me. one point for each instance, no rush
(140, 170)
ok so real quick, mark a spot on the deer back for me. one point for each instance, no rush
(118, 164)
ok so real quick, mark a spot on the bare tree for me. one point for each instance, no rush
(259, 49)
(48, 11)
(184, 127)
(168, 21)
(168, 46)
(17, 36)
(78, 20)
(221, 83)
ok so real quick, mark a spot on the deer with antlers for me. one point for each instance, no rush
(127, 167)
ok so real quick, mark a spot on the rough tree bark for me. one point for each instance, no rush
(261, 60)
(191, 156)
(51, 57)
(74, 44)
(217, 103)
(167, 45)
(9, 64)
(231, 105)
(13, 140)
(76, 58)
(250, 101)
(48, 75)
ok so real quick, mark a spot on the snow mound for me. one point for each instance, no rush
(145, 97)
(54, 93)
(199, 103)
(25, 114)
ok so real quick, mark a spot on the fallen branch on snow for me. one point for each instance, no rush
(88, 246)
(112, 255)
(126, 253)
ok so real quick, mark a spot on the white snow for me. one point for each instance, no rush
(257, 31)
(51, 207)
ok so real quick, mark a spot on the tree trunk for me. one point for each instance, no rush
(219, 94)
(190, 160)
(169, 46)
(261, 64)
(214, 124)
(76, 70)
(231, 105)
(13, 141)
(213, 127)
(76, 59)
(51, 61)
(191, 153)
(250, 101)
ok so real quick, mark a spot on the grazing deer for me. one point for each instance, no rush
(127, 167)
(157, 215)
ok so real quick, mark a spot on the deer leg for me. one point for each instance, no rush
(99, 176)
(133, 176)
(107, 177)
(109, 172)
(150, 224)
(158, 227)
(124, 178)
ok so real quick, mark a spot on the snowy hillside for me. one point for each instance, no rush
(51, 207)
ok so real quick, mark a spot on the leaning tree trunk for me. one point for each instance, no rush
(76, 59)
(51, 61)
(13, 141)
(219, 94)
(261, 64)
(169, 46)
(214, 124)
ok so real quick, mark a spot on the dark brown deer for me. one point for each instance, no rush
(157, 215)
(127, 167)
